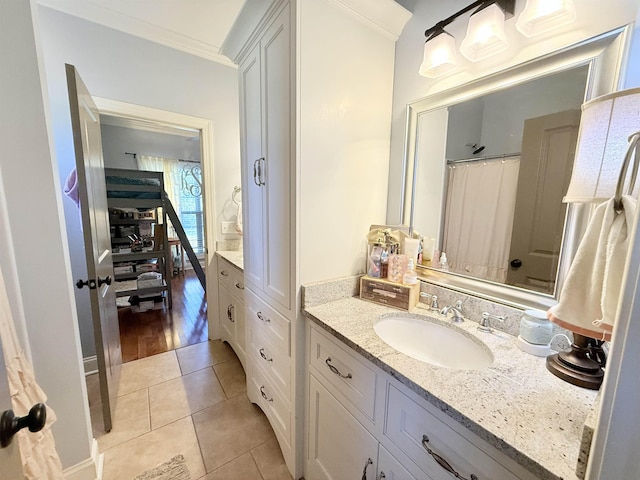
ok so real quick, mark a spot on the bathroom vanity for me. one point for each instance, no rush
(510, 420)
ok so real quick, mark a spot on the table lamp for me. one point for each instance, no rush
(607, 146)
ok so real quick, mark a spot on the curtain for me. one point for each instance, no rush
(169, 167)
(481, 199)
(40, 459)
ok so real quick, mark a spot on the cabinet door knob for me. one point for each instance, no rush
(442, 462)
(264, 356)
(105, 280)
(264, 395)
(10, 424)
(364, 470)
(335, 370)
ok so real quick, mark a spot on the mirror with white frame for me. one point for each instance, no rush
(487, 165)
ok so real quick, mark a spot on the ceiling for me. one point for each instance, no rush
(198, 27)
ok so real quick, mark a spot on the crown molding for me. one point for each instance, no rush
(139, 28)
(386, 16)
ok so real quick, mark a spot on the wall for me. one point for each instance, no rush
(593, 17)
(118, 140)
(122, 67)
(40, 255)
(344, 138)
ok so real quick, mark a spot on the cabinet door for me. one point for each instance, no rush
(278, 174)
(251, 145)
(390, 469)
(339, 447)
(226, 310)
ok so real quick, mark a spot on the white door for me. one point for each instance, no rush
(10, 463)
(85, 121)
(252, 187)
(278, 173)
(548, 147)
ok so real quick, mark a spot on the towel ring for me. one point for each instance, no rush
(236, 190)
(634, 139)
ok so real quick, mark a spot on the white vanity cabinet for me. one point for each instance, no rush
(315, 88)
(356, 411)
(231, 307)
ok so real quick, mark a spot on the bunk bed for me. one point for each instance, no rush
(134, 192)
(135, 201)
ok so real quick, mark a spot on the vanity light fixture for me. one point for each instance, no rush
(487, 37)
(485, 33)
(439, 55)
(540, 16)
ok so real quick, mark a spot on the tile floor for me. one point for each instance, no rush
(190, 401)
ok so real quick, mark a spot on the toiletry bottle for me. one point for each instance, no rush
(410, 276)
(444, 265)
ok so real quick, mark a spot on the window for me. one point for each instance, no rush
(189, 183)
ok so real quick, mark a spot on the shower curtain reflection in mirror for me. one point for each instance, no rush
(481, 198)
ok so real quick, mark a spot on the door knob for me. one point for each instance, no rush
(10, 424)
(516, 263)
(106, 280)
(89, 283)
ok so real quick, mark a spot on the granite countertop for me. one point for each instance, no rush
(515, 404)
(233, 256)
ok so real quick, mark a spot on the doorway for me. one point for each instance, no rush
(140, 133)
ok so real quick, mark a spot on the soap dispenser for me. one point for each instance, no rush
(410, 276)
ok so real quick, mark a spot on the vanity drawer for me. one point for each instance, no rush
(275, 363)
(275, 407)
(407, 424)
(268, 323)
(351, 377)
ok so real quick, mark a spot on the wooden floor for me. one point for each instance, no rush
(157, 331)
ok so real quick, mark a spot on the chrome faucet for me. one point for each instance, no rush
(434, 301)
(485, 322)
(456, 310)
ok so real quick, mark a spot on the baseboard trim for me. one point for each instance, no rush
(89, 469)
(90, 365)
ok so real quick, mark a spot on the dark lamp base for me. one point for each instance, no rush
(577, 367)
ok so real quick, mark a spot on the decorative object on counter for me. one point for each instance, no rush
(590, 294)
(410, 248)
(397, 267)
(385, 292)
(536, 332)
(410, 277)
(382, 242)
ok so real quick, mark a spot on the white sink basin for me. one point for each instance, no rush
(432, 343)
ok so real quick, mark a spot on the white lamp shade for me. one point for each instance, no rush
(541, 16)
(485, 34)
(605, 127)
(439, 56)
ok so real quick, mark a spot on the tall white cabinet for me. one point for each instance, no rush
(316, 81)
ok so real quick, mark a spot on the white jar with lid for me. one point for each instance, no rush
(535, 328)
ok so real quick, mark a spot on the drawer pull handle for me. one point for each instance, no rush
(335, 370)
(382, 476)
(238, 286)
(230, 309)
(364, 471)
(264, 395)
(442, 462)
(263, 355)
(263, 318)
(224, 273)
